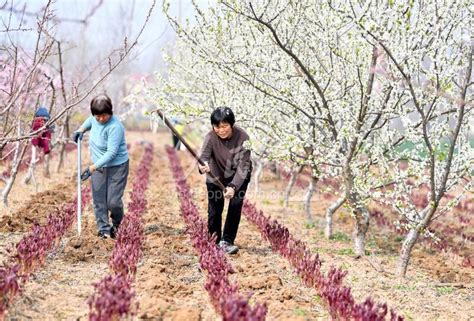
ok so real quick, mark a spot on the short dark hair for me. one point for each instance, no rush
(101, 104)
(224, 115)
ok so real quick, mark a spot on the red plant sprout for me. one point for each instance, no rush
(9, 286)
(113, 298)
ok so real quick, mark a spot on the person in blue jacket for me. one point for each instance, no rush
(109, 171)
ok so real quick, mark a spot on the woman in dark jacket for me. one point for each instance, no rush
(230, 162)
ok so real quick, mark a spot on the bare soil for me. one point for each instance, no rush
(37, 208)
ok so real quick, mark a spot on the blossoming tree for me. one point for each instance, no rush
(337, 89)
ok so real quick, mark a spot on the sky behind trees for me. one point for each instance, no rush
(91, 31)
(107, 23)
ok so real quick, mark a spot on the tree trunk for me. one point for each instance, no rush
(46, 171)
(360, 230)
(289, 187)
(293, 177)
(359, 212)
(405, 252)
(62, 151)
(14, 171)
(31, 167)
(258, 176)
(411, 238)
(308, 196)
(277, 171)
(63, 138)
(329, 215)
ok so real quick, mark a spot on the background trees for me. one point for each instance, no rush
(353, 91)
(428, 50)
(40, 68)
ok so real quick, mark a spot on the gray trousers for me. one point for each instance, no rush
(107, 192)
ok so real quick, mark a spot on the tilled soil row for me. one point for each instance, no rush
(37, 209)
(113, 297)
(169, 281)
(224, 294)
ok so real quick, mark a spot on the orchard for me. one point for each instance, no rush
(335, 137)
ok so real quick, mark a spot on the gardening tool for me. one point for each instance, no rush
(185, 143)
(79, 196)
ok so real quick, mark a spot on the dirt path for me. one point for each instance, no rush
(169, 282)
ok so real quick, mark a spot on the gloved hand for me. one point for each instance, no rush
(86, 174)
(77, 135)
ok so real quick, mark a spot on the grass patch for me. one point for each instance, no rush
(354, 279)
(398, 238)
(407, 316)
(339, 236)
(371, 243)
(405, 287)
(322, 249)
(443, 290)
(344, 266)
(350, 252)
(345, 252)
(309, 225)
(299, 312)
(317, 299)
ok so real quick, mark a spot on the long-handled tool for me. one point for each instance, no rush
(79, 196)
(185, 143)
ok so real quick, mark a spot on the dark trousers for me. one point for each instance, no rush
(215, 198)
(108, 186)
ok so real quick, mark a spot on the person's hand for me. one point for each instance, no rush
(229, 192)
(77, 135)
(88, 172)
(205, 168)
